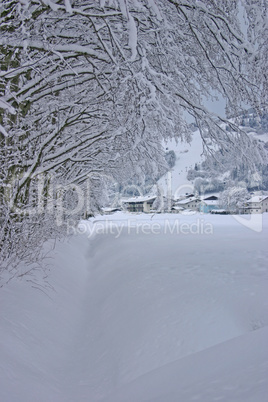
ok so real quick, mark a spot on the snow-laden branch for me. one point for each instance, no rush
(6, 106)
(94, 87)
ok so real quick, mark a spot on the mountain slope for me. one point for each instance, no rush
(187, 155)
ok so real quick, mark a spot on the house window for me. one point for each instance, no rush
(135, 208)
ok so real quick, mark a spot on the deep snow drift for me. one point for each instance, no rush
(139, 308)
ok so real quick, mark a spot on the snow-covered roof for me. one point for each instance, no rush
(141, 198)
(210, 202)
(187, 200)
(258, 198)
(208, 196)
(110, 209)
(177, 208)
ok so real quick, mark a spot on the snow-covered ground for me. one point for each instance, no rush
(142, 308)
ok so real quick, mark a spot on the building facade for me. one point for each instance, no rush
(139, 204)
(257, 204)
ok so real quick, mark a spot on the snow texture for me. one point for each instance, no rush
(137, 312)
(5, 105)
(133, 38)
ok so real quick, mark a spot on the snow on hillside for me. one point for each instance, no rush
(187, 155)
(175, 182)
(259, 136)
(142, 307)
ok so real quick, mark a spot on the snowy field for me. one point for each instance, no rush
(146, 308)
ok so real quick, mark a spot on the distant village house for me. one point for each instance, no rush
(139, 203)
(257, 204)
(209, 204)
(188, 203)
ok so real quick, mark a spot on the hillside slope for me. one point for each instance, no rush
(187, 155)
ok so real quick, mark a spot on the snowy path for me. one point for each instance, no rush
(143, 317)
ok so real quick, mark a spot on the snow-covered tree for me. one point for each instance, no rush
(89, 88)
(234, 198)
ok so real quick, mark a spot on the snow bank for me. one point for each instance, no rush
(235, 371)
